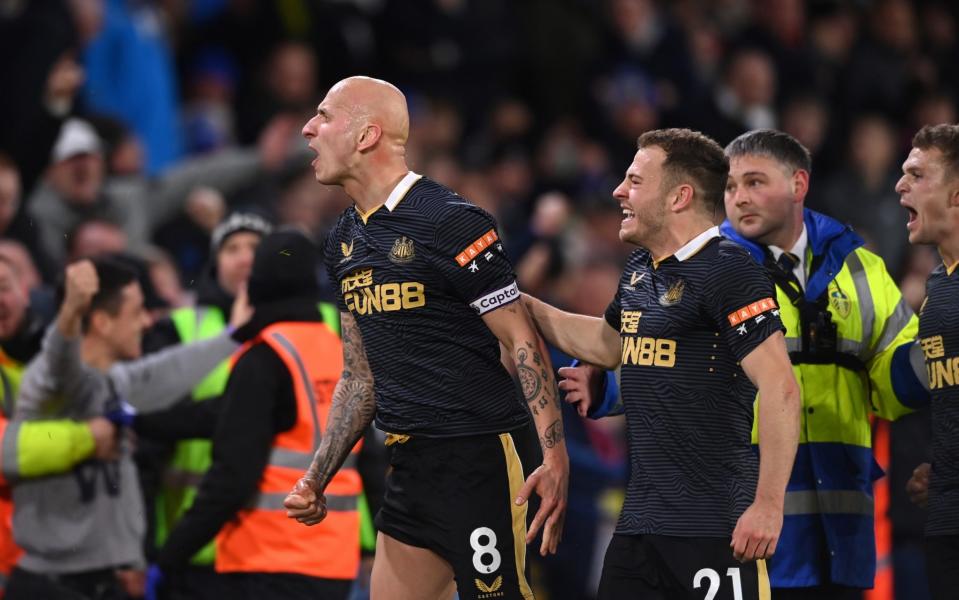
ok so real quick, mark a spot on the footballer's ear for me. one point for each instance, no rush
(682, 197)
(954, 194)
(369, 134)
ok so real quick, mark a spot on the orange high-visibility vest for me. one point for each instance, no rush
(262, 539)
(883, 588)
(9, 551)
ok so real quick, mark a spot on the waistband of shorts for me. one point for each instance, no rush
(396, 439)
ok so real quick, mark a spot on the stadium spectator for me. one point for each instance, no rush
(78, 188)
(273, 412)
(744, 99)
(130, 76)
(39, 43)
(39, 448)
(82, 531)
(14, 222)
(95, 237)
(862, 192)
(234, 242)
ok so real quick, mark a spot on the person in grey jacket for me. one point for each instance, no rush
(78, 188)
(82, 532)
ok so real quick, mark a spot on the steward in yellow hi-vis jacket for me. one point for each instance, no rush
(849, 335)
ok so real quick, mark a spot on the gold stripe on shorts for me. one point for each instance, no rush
(514, 470)
(763, 575)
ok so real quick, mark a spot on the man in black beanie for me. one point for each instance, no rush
(170, 463)
(270, 422)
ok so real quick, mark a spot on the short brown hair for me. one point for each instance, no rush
(693, 155)
(776, 145)
(944, 138)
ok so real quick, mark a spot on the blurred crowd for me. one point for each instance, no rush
(137, 126)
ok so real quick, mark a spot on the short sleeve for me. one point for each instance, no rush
(613, 311)
(331, 257)
(469, 253)
(742, 302)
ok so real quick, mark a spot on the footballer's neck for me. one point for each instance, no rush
(370, 187)
(949, 251)
(678, 234)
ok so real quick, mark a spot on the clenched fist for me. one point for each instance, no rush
(82, 285)
(305, 503)
(918, 485)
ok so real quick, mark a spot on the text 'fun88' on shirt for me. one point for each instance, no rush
(416, 274)
(939, 338)
(685, 324)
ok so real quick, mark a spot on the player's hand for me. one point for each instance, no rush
(550, 482)
(305, 503)
(757, 531)
(918, 485)
(583, 385)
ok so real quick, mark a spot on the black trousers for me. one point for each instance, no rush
(282, 586)
(91, 585)
(191, 583)
(942, 566)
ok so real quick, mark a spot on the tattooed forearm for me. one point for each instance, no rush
(527, 351)
(553, 435)
(351, 413)
(530, 380)
(352, 408)
(539, 390)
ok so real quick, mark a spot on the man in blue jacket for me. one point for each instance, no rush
(851, 337)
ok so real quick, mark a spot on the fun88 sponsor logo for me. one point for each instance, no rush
(495, 299)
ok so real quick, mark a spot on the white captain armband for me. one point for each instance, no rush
(495, 299)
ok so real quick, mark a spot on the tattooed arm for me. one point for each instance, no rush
(514, 328)
(350, 415)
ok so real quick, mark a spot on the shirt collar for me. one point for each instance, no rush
(798, 250)
(696, 244)
(400, 190)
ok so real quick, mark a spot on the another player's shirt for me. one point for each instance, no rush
(417, 274)
(685, 324)
(939, 338)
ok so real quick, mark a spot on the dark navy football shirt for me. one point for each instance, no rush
(939, 338)
(685, 324)
(417, 274)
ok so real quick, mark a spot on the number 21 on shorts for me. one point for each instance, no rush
(486, 557)
(713, 577)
